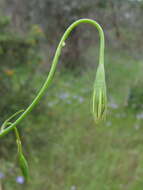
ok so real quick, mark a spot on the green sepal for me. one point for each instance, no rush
(23, 166)
(21, 158)
(99, 94)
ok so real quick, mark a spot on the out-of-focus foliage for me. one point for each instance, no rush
(117, 17)
(19, 58)
(74, 154)
(66, 150)
(135, 99)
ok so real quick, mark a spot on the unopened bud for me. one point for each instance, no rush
(23, 166)
(99, 94)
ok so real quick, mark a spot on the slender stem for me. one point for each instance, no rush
(6, 122)
(18, 140)
(53, 67)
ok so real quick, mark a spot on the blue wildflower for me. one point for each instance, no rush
(20, 179)
(2, 175)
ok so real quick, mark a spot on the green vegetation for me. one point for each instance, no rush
(19, 58)
(99, 97)
(64, 147)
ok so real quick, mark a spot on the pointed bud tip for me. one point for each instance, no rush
(23, 166)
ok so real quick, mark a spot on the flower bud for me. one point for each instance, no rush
(99, 94)
(21, 159)
(23, 165)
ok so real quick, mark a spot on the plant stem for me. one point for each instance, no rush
(53, 68)
(18, 140)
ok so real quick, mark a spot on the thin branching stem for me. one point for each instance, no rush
(53, 68)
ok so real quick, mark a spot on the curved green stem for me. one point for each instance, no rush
(53, 68)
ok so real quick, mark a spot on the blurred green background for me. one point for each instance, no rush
(65, 149)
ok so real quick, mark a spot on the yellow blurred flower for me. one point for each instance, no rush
(9, 72)
(39, 30)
